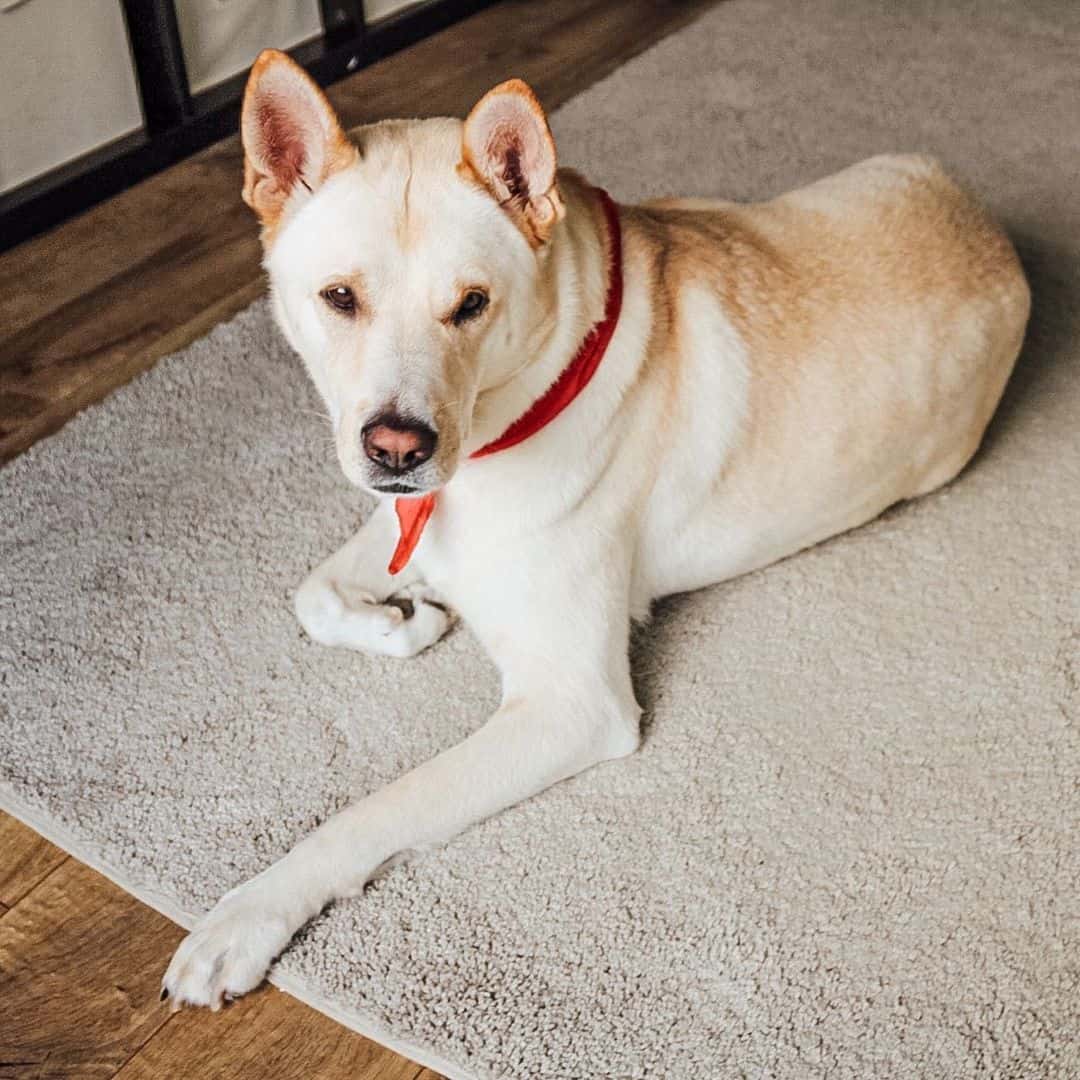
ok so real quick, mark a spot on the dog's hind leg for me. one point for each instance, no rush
(352, 600)
(567, 705)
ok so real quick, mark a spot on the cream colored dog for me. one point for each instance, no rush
(777, 373)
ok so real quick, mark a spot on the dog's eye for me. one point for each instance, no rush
(473, 303)
(340, 298)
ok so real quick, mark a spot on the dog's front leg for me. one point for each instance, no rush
(567, 705)
(352, 600)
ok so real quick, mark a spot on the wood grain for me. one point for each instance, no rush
(266, 1036)
(80, 967)
(25, 859)
(95, 301)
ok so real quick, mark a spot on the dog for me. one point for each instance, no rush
(569, 409)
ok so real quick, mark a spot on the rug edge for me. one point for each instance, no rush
(56, 832)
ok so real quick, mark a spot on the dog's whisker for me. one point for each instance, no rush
(322, 414)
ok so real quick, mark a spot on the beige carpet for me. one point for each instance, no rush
(848, 847)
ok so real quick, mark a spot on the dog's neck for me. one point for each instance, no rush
(574, 284)
(558, 394)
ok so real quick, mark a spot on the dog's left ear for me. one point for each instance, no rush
(292, 138)
(507, 147)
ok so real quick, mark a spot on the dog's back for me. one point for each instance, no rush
(880, 312)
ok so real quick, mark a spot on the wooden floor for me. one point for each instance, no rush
(82, 310)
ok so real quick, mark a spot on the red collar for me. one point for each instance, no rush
(413, 514)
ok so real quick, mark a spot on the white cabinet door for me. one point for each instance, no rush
(67, 84)
(223, 37)
(379, 9)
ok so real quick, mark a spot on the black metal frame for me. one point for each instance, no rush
(176, 123)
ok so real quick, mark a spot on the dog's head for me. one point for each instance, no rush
(407, 267)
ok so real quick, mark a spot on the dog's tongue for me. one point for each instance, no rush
(412, 515)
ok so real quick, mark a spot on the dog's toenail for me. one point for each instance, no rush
(404, 605)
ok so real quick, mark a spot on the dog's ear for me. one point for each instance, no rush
(507, 147)
(292, 137)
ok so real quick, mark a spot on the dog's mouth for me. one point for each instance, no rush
(414, 484)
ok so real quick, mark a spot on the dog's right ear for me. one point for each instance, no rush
(292, 138)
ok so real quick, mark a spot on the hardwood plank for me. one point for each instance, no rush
(95, 301)
(265, 1036)
(80, 967)
(25, 859)
(560, 47)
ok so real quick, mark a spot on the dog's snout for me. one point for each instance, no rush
(398, 444)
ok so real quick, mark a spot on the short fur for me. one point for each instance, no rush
(781, 372)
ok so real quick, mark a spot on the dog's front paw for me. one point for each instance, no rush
(406, 624)
(228, 953)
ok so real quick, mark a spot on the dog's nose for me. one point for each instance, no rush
(397, 444)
